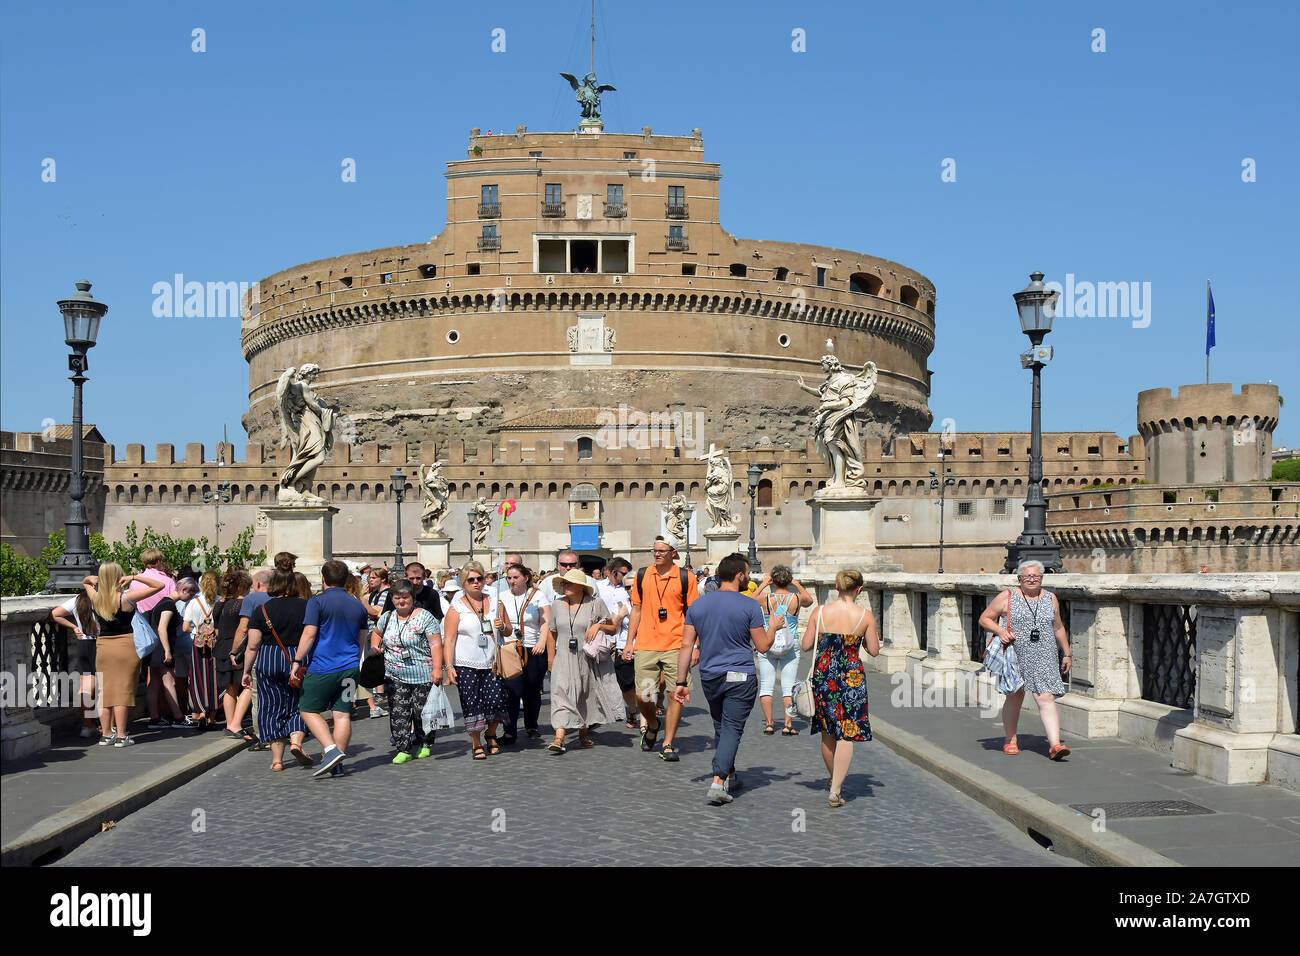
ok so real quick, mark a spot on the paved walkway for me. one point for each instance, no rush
(1252, 825)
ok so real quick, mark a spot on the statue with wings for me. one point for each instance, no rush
(435, 489)
(588, 94)
(306, 428)
(839, 442)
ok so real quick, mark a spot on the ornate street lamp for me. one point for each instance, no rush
(942, 485)
(398, 486)
(470, 518)
(754, 473)
(217, 499)
(81, 317)
(1037, 306)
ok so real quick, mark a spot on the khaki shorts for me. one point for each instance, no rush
(650, 666)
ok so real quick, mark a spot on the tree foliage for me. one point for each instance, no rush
(22, 575)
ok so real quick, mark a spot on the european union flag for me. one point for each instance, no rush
(1209, 320)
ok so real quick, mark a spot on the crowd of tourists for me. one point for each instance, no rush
(269, 662)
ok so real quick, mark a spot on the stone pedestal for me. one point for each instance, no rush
(433, 551)
(304, 530)
(720, 544)
(844, 527)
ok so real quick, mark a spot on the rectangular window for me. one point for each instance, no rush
(975, 452)
(821, 275)
(1212, 494)
(1004, 451)
(614, 194)
(676, 195)
(472, 269)
(1094, 449)
(534, 154)
(1171, 497)
(490, 232)
(488, 195)
(999, 506)
(629, 155)
(551, 255)
(965, 509)
(688, 269)
(553, 196)
(675, 233)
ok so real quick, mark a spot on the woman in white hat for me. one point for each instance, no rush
(584, 690)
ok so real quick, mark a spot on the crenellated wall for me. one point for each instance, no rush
(1208, 433)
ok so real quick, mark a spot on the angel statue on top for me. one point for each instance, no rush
(587, 93)
(839, 442)
(307, 429)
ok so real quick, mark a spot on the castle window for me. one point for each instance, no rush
(553, 205)
(738, 269)
(975, 452)
(1063, 449)
(489, 239)
(1094, 449)
(864, 283)
(676, 202)
(489, 203)
(1171, 497)
(584, 448)
(821, 275)
(472, 269)
(999, 506)
(782, 274)
(965, 509)
(908, 296)
(318, 287)
(347, 281)
(1212, 494)
(1004, 451)
(614, 208)
(582, 255)
(688, 268)
(629, 155)
(1123, 449)
(428, 271)
(385, 277)
(764, 494)
(534, 154)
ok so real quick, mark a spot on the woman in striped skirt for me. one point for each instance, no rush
(273, 632)
(200, 623)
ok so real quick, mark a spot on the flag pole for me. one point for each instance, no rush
(1207, 347)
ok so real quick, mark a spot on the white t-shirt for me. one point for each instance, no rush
(613, 597)
(195, 611)
(70, 605)
(532, 614)
(468, 651)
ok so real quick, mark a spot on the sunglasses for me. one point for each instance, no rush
(473, 580)
(566, 565)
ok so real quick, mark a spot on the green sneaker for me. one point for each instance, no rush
(403, 757)
(424, 752)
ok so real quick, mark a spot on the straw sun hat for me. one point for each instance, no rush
(575, 576)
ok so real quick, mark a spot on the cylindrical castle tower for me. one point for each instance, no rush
(588, 270)
(1207, 434)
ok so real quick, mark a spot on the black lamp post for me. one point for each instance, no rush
(942, 485)
(398, 572)
(470, 518)
(754, 474)
(1037, 306)
(81, 317)
(217, 499)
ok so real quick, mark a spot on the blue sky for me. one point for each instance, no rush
(1122, 166)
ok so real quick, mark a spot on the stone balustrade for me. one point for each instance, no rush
(1226, 642)
(24, 730)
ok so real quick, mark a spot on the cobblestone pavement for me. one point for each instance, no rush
(612, 804)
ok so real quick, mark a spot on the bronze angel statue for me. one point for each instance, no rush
(306, 428)
(588, 94)
(839, 442)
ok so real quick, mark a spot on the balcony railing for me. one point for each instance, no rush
(489, 242)
(615, 210)
(553, 210)
(489, 210)
(676, 243)
(676, 210)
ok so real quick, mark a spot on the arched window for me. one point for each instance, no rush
(909, 296)
(584, 448)
(738, 269)
(765, 493)
(782, 274)
(864, 283)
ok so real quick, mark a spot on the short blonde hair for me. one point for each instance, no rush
(470, 566)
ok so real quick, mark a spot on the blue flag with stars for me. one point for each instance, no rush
(1209, 320)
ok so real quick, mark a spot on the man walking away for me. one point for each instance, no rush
(340, 622)
(729, 627)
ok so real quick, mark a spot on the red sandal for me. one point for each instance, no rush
(1010, 748)
(1058, 752)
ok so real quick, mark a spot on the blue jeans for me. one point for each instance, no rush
(769, 664)
(730, 705)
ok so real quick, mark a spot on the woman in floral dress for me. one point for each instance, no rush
(839, 629)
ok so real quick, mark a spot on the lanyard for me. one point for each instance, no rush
(573, 620)
(477, 613)
(663, 591)
(1033, 609)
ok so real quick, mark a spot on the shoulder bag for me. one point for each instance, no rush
(294, 682)
(509, 662)
(805, 704)
(783, 639)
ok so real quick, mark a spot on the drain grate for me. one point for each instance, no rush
(1143, 808)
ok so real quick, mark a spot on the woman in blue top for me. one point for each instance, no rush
(781, 620)
(411, 639)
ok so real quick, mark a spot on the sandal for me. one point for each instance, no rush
(301, 756)
(770, 729)
(277, 767)
(1058, 752)
(789, 731)
(585, 741)
(556, 746)
(242, 735)
(493, 745)
(669, 753)
(836, 800)
(480, 754)
(1010, 748)
(648, 738)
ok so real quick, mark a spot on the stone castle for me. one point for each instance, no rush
(584, 329)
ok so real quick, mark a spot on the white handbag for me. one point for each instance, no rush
(783, 640)
(805, 704)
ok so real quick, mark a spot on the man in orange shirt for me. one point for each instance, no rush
(659, 596)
